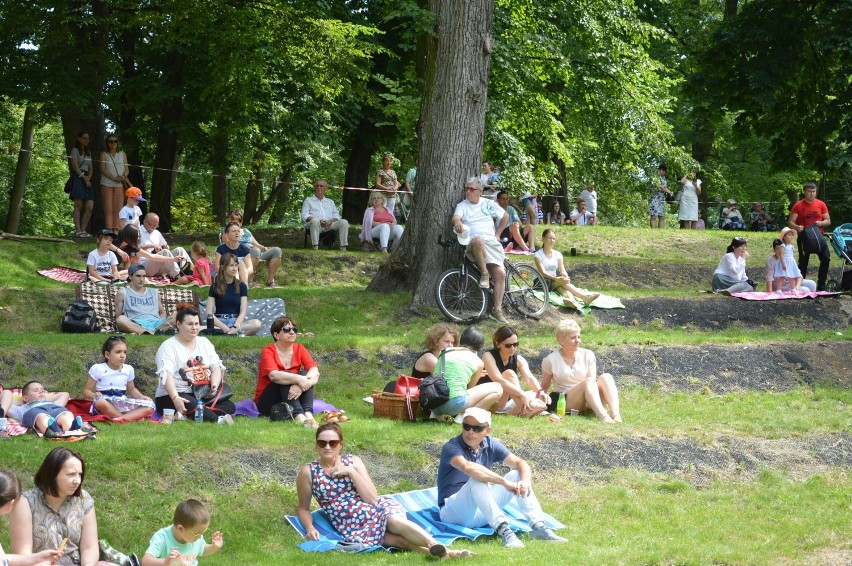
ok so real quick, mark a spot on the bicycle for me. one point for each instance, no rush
(461, 299)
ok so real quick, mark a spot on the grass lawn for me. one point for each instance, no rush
(691, 477)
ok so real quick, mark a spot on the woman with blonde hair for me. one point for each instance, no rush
(439, 337)
(379, 222)
(572, 371)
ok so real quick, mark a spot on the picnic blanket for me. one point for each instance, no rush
(247, 408)
(572, 302)
(422, 507)
(71, 275)
(782, 295)
(266, 310)
(102, 299)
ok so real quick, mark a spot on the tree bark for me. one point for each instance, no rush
(254, 190)
(16, 198)
(279, 198)
(358, 172)
(171, 111)
(450, 133)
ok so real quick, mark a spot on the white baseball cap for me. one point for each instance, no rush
(480, 415)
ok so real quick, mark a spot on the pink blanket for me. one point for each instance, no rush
(781, 295)
(70, 275)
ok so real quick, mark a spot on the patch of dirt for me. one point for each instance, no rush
(717, 312)
(723, 369)
(252, 465)
(729, 458)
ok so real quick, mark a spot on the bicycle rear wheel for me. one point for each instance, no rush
(528, 290)
(460, 297)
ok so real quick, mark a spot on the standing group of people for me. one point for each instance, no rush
(686, 198)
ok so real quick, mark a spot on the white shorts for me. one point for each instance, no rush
(494, 254)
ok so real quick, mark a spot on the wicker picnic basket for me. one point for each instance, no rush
(396, 406)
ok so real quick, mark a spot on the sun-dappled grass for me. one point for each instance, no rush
(760, 495)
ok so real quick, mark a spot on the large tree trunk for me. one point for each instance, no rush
(163, 176)
(16, 197)
(254, 190)
(450, 132)
(279, 198)
(358, 172)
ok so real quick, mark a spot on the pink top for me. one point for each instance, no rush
(382, 216)
(201, 264)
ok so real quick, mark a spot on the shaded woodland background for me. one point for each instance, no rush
(224, 103)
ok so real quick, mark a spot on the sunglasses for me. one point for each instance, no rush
(512, 345)
(324, 443)
(474, 428)
(196, 535)
(112, 141)
(288, 329)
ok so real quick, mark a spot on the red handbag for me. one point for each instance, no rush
(408, 386)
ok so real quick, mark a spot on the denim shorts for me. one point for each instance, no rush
(229, 320)
(150, 324)
(454, 406)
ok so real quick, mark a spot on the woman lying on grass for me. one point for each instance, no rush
(572, 371)
(344, 490)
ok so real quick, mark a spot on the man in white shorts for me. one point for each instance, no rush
(477, 216)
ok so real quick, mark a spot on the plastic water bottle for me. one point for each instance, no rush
(199, 412)
(560, 405)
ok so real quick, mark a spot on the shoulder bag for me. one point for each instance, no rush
(434, 390)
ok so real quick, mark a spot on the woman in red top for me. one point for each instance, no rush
(286, 376)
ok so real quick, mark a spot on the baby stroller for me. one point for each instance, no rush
(841, 241)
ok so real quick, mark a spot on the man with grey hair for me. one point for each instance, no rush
(474, 218)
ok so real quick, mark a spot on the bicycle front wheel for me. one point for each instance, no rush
(460, 297)
(527, 291)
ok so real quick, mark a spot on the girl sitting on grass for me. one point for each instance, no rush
(102, 263)
(202, 270)
(111, 386)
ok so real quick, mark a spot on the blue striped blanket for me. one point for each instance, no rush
(422, 508)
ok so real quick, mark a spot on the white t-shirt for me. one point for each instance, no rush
(102, 263)
(172, 356)
(583, 219)
(732, 266)
(479, 217)
(130, 214)
(549, 265)
(146, 237)
(107, 378)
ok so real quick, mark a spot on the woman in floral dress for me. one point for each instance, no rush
(344, 490)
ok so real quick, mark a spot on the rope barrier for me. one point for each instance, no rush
(12, 152)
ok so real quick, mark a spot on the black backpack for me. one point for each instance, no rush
(434, 390)
(80, 317)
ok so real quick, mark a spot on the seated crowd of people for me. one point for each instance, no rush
(500, 380)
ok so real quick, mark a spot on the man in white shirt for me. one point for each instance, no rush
(590, 195)
(152, 241)
(478, 215)
(320, 215)
(582, 217)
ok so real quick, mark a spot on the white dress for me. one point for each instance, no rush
(792, 270)
(688, 209)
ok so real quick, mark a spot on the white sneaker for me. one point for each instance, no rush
(510, 539)
(541, 532)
